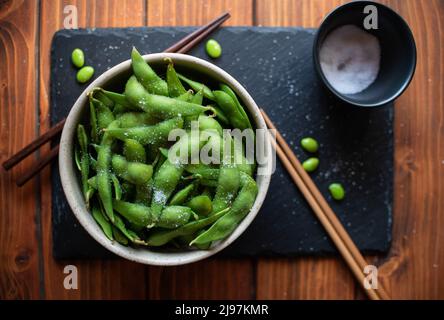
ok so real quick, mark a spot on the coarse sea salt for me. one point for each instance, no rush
(350, 58)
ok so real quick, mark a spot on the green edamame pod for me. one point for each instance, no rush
(116, 98)
(201, 205)
(160, 238)
(181, 196)
(198, 97)
(146, 75)
(102, 222)
(197, 86)
(154, 134)
(229, 107)
(134, 151)
(229, 178)
(84, 160)
(77, 157)
(209, 123)
(128, 233)
(187, 96)
(220, 115)
(134, 172)
(241, 109)
(93, 122)
(175, 87)
(103, 172)
(117, 187)
(103, 113)
(136, 119)
(159, 106)
(164, 182)
(137, 214)
(174, 216)
(120, 238)
(98, 94)
(143, 193)
(241, 207)
(202, 170)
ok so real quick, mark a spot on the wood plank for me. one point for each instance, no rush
(305, 277)
(107, 279)
(19, 254)
(413, 269)
(211, 278)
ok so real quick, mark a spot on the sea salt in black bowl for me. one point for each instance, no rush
(397, 46)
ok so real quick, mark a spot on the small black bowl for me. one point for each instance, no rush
(398, 52)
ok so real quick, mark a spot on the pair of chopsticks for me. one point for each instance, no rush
(182, 46)
(324, 213)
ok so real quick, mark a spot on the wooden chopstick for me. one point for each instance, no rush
(39, 165)
(195, 37)
(323, 211)
(34, 145)
(182, 46)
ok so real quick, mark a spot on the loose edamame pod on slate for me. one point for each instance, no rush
(310, 144)
(311, 164)
(175, 87)
(154, 134)
(159, 238)
(159, 106)
(146, 75)
(134, 172)
(240, 208)
(174, 216)
(103, 172)
(197, 86)
(213, 48)
(134, 151)
(85, 74)
(337, 191)
(78, 58)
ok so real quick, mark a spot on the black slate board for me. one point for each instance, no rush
(275, 65)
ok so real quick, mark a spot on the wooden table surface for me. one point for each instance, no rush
(412, 268)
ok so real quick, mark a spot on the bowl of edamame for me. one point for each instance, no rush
(135, 188)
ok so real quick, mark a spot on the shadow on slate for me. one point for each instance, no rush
(275, 66)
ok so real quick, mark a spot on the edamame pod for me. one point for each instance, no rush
(197, 86)
(146, 75)
(174, 216)
(175, 87)
(154, 134)
(241, 207)
(134, 172)
(159, 106)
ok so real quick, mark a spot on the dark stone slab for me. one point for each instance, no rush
(275, 66)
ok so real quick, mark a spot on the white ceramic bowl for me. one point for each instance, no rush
(71, 182)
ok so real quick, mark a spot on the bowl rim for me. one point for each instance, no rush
(343, 97)
(72, 191)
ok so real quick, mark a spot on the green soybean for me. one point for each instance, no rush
(134, 172)
(213, 48)
(337, 191)
(78, 58)
(311, 164)
(310, 144)
(146, 75)
(102, 221)
(134, 151)
(85, 74)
